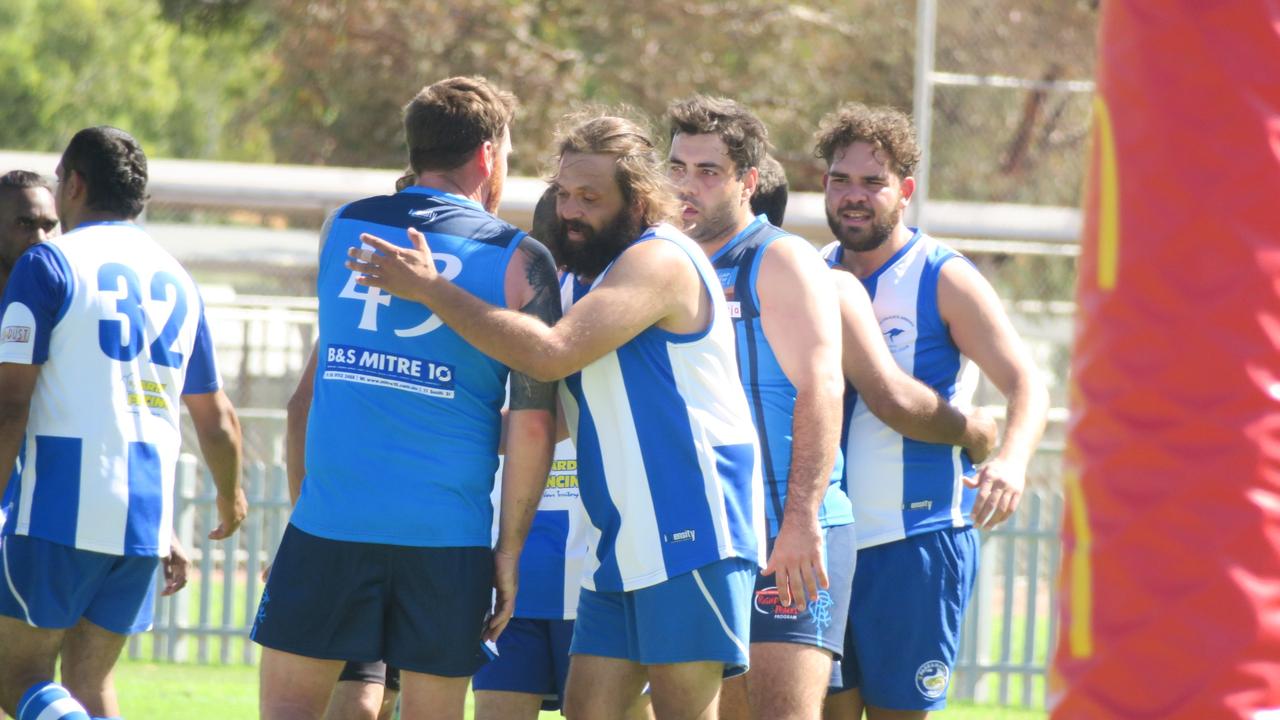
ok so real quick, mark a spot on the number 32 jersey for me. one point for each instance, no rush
(118, 328)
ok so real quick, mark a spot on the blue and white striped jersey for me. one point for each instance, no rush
(668, 461)
(770, 394)
(902, 487)
(402, 438)
(118, 328)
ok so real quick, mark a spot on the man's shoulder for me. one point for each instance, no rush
(432, 214)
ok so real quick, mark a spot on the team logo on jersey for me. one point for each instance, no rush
(932, 678)
(682, 536)
(735, 309)
(401, 372)
(899, 333)
(425, 216)
(16, 334)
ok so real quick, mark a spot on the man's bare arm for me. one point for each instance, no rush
(645, 286)
(982, 330)
(530, 427)
(905, 404)
(295, 431)
(218, 430)
(801, 318)
(17, 384)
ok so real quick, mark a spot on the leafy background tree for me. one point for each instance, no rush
(322, 81)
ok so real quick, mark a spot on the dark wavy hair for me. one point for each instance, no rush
(743, 134)
(887, 129)
(770, 197)
(114, 169)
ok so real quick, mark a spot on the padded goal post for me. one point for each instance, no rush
(1170, 592)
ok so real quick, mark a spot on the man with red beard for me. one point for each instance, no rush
(787, 319)
(668, 462)
(916, 504)
(388, 555)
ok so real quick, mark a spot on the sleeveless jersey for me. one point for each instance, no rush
(902, 487)
(117, 326)
(402, 437)
(551, 564)
(770, 394)
(667, 456)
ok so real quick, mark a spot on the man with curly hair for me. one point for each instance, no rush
(668, 463)
(917, 504)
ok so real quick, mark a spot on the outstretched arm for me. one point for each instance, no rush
(905, 404)
(983, 332)
(17, 384)
(643, 288)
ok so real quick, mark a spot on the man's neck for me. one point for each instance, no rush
(453, 184)
(711, 247)
(866, 263)
(95, 216)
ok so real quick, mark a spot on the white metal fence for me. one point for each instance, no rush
(1004, 646)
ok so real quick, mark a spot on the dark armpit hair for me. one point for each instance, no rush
(637, 168)
(23, 180)
(743, 134)
(887, 129)
(770, 197)
(113, 167)
(447, 121)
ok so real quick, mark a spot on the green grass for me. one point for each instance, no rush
(230, 692)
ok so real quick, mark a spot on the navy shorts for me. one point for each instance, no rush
(50, 585)
(909, 598)
(374, 673)
(533, 658)
(822, 623)
(420, 609)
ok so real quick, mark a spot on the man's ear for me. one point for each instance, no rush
(77, 188)
(908, 187)
(750, 181)
(487, 157)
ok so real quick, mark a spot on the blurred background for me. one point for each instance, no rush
(260, 116)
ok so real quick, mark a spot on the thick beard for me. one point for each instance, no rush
(495, 194)
(856, 241)
(590, 256)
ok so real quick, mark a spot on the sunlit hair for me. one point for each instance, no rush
(886, 129)
(742, 133)
(447, 121)
(637, 165)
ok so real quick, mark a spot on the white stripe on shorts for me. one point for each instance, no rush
(719, 616)
(4, 554)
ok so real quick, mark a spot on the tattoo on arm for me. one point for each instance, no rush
(540, 271)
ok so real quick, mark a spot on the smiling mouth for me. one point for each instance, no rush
(856, 216)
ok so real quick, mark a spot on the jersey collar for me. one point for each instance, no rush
(442, 195)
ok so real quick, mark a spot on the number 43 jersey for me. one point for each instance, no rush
(402, 439)
(118, 328)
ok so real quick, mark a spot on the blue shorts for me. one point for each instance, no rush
(821, 624)
(420, 609)
(533, 657)
(909, 598)
(700, 616)
(49, 585)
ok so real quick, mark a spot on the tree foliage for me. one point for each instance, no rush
(323, 81)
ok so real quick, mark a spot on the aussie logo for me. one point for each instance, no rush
(16, 334)
(899, 333)
(932, 678)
